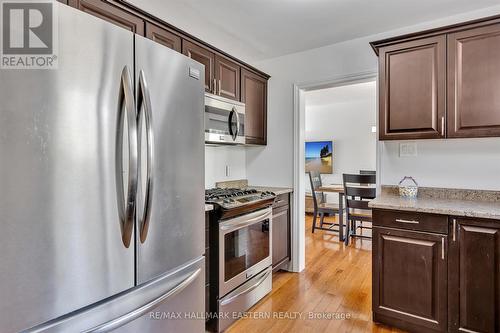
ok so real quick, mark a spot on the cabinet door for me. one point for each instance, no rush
(163, 36)
(110, 13)
(474, 82)
(281, 235)
(227, 75)
(205, 57)
(474, 272)
(409, 279)
(254, 95)
(413, 89)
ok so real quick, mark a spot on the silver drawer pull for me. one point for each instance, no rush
(279, 201)
(407, 221)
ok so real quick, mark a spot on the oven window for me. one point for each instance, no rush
(244, 248)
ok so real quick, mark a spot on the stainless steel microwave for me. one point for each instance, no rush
(224, 120)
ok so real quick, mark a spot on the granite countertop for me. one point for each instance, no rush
(469, 203)
(275, 190)
(208, 207)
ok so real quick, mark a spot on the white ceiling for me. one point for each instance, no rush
(343, 94)
(261, 29)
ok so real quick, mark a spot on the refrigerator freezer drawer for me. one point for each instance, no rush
(171, 303)
(244, 297)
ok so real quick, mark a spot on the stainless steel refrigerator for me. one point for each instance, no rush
(102, 186)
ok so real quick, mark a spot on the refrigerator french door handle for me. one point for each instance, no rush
(144, 106)
(126, 205)
(131, 316)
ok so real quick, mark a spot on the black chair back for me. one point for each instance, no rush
(315, 179)
(367, 172)
(359, 190)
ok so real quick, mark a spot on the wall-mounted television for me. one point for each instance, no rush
(319, 156)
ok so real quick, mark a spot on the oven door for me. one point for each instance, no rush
(224, 120)
(244, 248)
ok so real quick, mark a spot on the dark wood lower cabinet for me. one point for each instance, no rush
(430, 279)
(281, 232)
(410, 279)
(474, 276)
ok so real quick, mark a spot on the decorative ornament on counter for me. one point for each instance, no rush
(407, 190)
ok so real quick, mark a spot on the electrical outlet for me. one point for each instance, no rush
(227, 171)
(407, 149)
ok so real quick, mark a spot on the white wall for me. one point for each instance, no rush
(349, 125)
(216, 159)
(455, 163)
(273, 165)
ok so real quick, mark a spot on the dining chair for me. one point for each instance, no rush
(358, 191)
(322, 208)
(367, 172)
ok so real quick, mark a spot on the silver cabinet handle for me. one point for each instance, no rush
(145, 111)
(454, 230)
(214, 88)
(407, 221)
(442, 126)
(442, 248)
(247, 290)
(120, 321)
(279, 201)
(219, 86)
(126, 205)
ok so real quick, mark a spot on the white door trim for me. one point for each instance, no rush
(297, 263)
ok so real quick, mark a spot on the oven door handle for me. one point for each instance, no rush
(247, 290)
(240, 223)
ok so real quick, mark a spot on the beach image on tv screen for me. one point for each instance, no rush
(319, 156)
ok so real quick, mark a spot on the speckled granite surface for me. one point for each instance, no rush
(275, 190)
(243, 183)
(456, 202)
(208, 207)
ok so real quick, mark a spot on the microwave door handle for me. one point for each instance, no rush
(230, 124)
(237, 123)
(144, 103)
(126, 205)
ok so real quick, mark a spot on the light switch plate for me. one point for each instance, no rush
(407, 149)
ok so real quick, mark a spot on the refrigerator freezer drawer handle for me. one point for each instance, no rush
(247, 290)
(145, 108)
(126, 203)
(131, 316)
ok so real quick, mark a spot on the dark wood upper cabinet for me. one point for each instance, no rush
(410, 279)
(474, 82)
(441, 83)
(474, 275)
(254, 95)
(110, 13)
(227, 76)
(413, 89)
(205, 57)
(164, 37)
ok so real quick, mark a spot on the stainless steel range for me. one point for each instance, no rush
(240, 243)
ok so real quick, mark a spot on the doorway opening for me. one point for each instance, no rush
(335, 134)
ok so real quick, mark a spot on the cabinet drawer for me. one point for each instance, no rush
(411, 221)
(281, 200)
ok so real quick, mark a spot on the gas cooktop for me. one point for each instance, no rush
(230, 198)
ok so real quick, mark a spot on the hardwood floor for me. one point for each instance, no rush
(336, 281)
